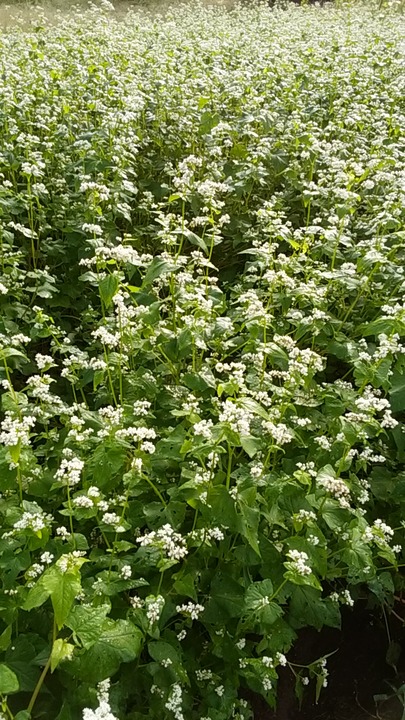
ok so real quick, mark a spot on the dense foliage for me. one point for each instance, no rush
(201, 290)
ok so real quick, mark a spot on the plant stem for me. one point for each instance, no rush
(229, 469)
(43, 675)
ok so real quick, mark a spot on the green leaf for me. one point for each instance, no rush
(119, 642)
(308, 608)
(208, 121)
(108, 287)
(63, 588)
(61, 650)
(5, 638)
(36, 596)
(7, 353)
(161, 651)
(319, 686)
(20, 658)
(194, 239)
(254, 407)
(226, 599)
(185, 584)
(87, 622)
(393, 653)
(250, 444)
(397, 394)
(298, 579)
(249, 523)
(157, 268)
(8, 681)
(258, 593)
(65, 712)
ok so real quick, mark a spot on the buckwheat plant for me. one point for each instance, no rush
(202, 351)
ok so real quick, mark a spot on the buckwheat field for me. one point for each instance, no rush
(202, 370)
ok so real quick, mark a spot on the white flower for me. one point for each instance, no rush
(193, 610)
(267, 684)
(82, 501)
(44, 361)
(237, 417)
(62, 532)
(109, 339)
(93, 492)
(168, 540)
(174, 703)
(279, 432)
(154, 607)
(203, 675)
(36, 521)
(103, 711)
(111, 518)
(126, 572)
(281, 659)
(299, 562)
(203, 428)
(136, 602)
(15, 430)
(305, 515)
(69, 472)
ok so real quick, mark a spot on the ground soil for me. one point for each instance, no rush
(358, 672)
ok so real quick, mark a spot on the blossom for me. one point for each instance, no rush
(70, 469)
(126, 572)
(174, 702)
(16, 431)
(154, 607)
(172, 543)
(193, 610)
(299, 562)
(103, 711)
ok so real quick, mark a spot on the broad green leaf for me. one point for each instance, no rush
(20, 658)
(161, 650)
(5, 638)
(308, 608)
(63, 588)
(258, 594)
(61, 650)
(195, 239)
(397, 393)
(87, 622)
(254, 407)
(8, 681)
(157, 268)
(185, 585)
(226, 599)
(36, 596)
(250, 444)
(119, 642)
(108, 288)
(65, 712)
(299, 579)
(249, 524)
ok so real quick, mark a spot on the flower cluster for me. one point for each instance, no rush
(202, 349)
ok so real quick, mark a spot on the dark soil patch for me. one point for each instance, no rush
(357, 672)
